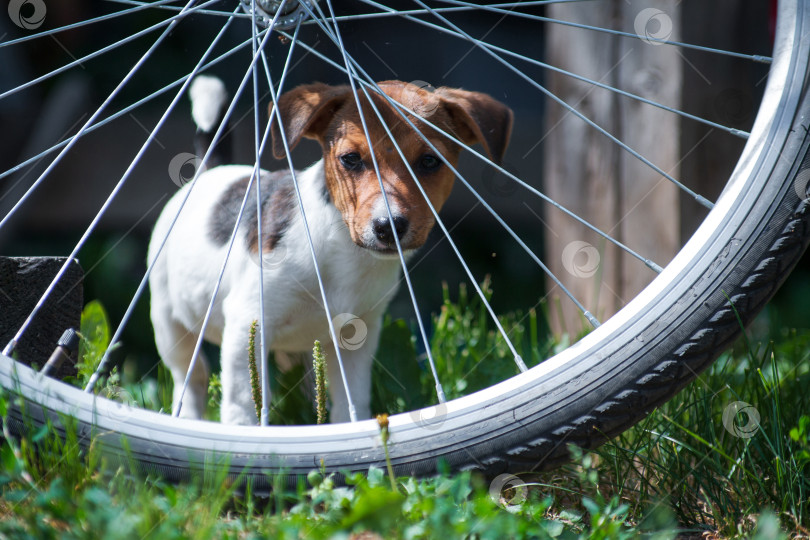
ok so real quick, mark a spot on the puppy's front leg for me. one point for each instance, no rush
(358, 357)
(237, 397)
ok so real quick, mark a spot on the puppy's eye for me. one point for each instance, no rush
(429, 162)
(352, 161)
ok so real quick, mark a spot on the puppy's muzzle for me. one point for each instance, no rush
(385, 233)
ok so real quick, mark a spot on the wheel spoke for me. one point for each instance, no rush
(352, 75)
(753, 57)
(170, 21)
(177, 8)
(463, 35)
(34, 160)
(589, 316)
(517, 358)
(93, 118)
(332, 333)
(12, 344)
(264, 420)
(360, 16)
(265, 388)
(733, 131)
(471, 7)
(648, 262)
(145, 279)
(80, 24)
(105, 359)
(254, 176)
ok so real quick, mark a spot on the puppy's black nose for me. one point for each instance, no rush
(382, 228)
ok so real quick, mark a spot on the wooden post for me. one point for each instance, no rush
(590, 174)
(22, 281)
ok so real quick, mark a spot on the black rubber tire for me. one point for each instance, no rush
(593, 391)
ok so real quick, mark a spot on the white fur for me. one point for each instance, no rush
(184, 276)
(208, 97)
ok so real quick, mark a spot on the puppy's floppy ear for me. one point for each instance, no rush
(305, 112)
(477, 117)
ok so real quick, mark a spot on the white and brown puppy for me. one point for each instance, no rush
(347, 219)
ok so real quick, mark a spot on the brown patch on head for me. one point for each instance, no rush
(329, 115)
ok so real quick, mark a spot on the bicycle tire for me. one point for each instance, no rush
(592, 391)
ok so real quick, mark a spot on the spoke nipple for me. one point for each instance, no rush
(440, 393)
(704, 201)
(739, 133)
(653, 266)
(10, 347)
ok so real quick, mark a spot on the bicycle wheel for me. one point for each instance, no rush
(609, 380)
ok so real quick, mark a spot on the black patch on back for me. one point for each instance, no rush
(278, 209)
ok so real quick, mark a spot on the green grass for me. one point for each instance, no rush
(684, 470)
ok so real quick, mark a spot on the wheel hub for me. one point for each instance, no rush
(290, 11)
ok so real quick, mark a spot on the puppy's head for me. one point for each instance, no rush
(329, 115)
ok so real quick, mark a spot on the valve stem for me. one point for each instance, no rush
(67, 345)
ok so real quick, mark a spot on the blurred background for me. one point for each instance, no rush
(722, 89)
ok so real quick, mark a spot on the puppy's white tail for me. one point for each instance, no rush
(209, 101)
